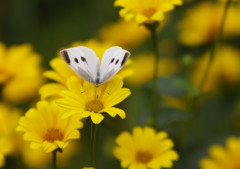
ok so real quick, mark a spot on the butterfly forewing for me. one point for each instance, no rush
(83, 61)
(113, 60)
(87, 65)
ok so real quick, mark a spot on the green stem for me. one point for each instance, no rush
(213, 49)
(154, 96)
(54, 158)
(92, 144)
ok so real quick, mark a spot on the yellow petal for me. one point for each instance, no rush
(96, 118)
(113, 111)
(51, 89)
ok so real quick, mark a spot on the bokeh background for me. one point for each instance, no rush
(194, 118)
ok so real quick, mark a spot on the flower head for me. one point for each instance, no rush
(146, 11)
(224, 69)
(9, 139)
(201, 23)
(20, 72)
(144, 149)
(62, 72)
(223, 157)
(46, 129)
(89, 101)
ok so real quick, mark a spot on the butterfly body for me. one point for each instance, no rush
(86, 64)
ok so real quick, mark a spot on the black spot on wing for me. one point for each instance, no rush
(66, 56)
(84, 59)
(125, 57)
(112, 60)
(76, 60)
(116, 61)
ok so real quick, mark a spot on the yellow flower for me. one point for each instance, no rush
(223, 157)
(20, 72)
(88, 168)
(225, 68)
(89, 101)
(9, 139)
(145, 149)
(202, 22)
(124, 34)
(46, 129)
(145, 11)
(62, 72)
(167, 67)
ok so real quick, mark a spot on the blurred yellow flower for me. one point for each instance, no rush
(167, 67)
(202, 22)
(89, 101)
(223, 157)
(20, 72)
(225, 68)
(88, 168)
(44, 127)
(62, 72)
(38, 159)
(145, 149)
(125, 34)
(9, 139)
(145, 11)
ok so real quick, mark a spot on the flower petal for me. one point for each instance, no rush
(96, 118)
(113, 111)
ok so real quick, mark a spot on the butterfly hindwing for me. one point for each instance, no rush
(83, 61)
(113, 60)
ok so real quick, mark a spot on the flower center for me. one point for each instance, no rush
(143, 157)
(149, 12)
(94, 106)
(52, 135)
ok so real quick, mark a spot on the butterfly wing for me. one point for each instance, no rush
(113, 60)
(83, 61)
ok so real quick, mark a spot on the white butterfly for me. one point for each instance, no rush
(86, 64)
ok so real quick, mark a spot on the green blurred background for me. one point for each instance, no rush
(50, 25)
